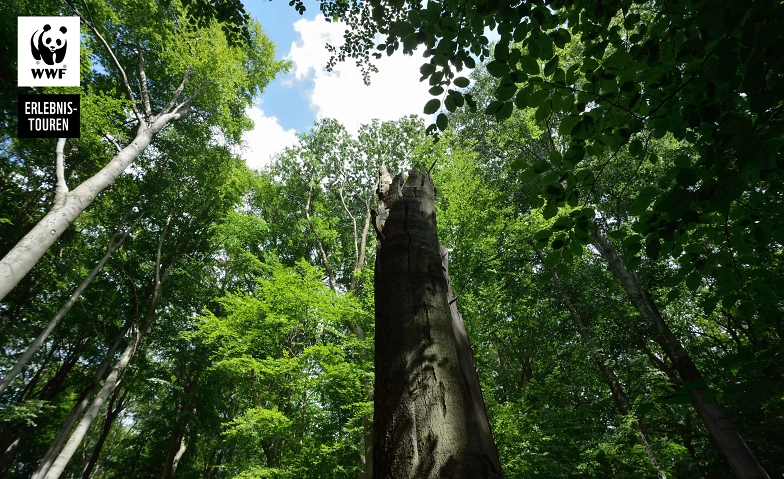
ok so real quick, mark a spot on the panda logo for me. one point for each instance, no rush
(49, 45)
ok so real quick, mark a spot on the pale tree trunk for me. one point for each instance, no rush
(52, 469)
(114, 243)
(78, 408)
(320, 244)
(177, 447)
(619, 396)
(115, 407)
(710, 412)
(111, 383)
(429, 419)
(68, 205)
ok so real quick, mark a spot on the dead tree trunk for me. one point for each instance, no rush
(429, 419)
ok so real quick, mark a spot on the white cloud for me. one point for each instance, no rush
(395, 91)
(266, 138)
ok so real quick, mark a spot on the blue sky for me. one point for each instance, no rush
(292, 102)
(277, 19)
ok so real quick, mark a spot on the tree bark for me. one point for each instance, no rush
(429, 419)
(710, 412)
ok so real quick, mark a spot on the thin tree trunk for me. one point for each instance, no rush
(177, 442)
(330, 273)
(114, 243)
(710, 412)
(81, 404)
(52, 470)
(176, 449)
(619, 396)
(112, 412)
(429, 419)
(111, 383)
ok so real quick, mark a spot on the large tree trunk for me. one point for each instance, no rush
(617, 392)
(429, 419)
(710, 412)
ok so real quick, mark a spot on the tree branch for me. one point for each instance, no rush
(176, 95)
(62, 188)
(123, 76)
(143, 84)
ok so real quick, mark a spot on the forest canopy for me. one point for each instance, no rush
(608, 185)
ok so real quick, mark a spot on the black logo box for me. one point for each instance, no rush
(49, 116)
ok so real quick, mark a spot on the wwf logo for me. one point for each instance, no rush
(49, 45)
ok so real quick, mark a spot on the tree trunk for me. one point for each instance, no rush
(114, 243)
(112, 412)
(78, 408)
(178, 442)
(617, 392)
(720, 429)
(111, 383)
(22, 257)
(429, 419)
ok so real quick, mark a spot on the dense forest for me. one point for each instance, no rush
(608, 184)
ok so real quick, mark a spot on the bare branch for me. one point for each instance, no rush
(143, 84)
(113, 141)
(176, 95)
(62, 188)
(123, 76)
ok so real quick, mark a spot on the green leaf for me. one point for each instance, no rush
(687, 178)
(436, 90)
(693, 281)
(461, 82)
(505, 111)
(501, 52)
(449, 104)
(635, 147)
(546, 47)
(529, 65)
(432, 106)
(497, 69)
(494, 107)
(552, 259)
(538, 97)
(505, 91)
(643, 409)
(427, 69)
(442, 121)
(550, 210)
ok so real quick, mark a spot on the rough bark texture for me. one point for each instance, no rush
(429, 419)
(710, 412)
